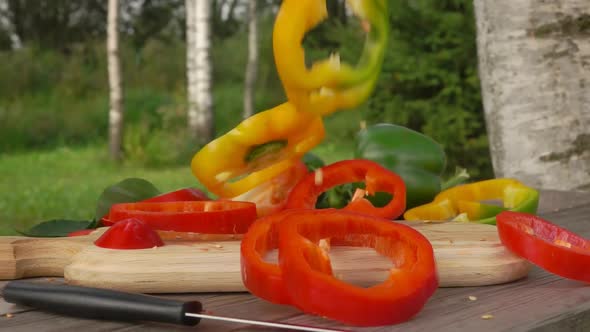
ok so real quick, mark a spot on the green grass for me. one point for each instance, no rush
(66, 182)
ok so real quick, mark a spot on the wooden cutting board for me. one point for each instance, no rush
(466, 255)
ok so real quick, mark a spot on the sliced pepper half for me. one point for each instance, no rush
(547, 245)
(208, 217)
(271, 196)
(312, 287)
(466, 200)
(328, 85)
(129, 234)
(258, 149)
(376, 178)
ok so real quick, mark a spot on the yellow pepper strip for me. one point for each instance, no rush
(258, 149)
(326, 101)
(328, 85)
(465, 199)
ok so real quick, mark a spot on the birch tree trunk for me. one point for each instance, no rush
(115, 83)
(534, 66)
(252, 64)
(6, 25)
(200, 113)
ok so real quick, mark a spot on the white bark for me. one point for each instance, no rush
(115, 84)
(8, 27)
(534, 65)
(200, 113)
(252, 64)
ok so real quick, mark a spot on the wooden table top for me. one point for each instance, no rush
(540, 302)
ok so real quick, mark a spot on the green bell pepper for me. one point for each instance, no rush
(417, 158)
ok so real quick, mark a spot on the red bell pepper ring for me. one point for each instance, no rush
(209, 217)
(376, 177)
(545, 244)
(185, 194)
(262, 278)
(312, 287)
(129, 234)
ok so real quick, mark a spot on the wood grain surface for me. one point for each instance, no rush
(540, 302)
(466, 255)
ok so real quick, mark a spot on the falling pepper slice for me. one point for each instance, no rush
(465, 199)
(549, 246)
(328, 85)
(271, 196)
(308, 278)
(377, 179)
(258, 149)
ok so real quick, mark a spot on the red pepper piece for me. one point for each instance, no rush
(210, 217)
(312, 287)
(545, 244)
(377, 178)
(81, 232)
(260, 277)
(129, 234)
(185, 194)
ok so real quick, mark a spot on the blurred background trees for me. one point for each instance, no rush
(116, 111)
(54, 83)
(198, 64)
(54, 90)
(252, 64)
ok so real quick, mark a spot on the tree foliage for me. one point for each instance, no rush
(429, 80)
(56, 24)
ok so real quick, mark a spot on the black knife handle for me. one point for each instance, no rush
(99, 303)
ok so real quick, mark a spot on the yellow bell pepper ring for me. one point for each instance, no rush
(466, 201)
(336, 85)
(258, 149)
(324, 102)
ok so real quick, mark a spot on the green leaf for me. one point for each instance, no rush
(55, 227)
(312, 161)
(126, 191)
(338, 196)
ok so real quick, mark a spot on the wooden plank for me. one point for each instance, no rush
(466, 255)
(532, 304)
(576, 220)
(542, 302)
(520, 306)
(556, 200)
